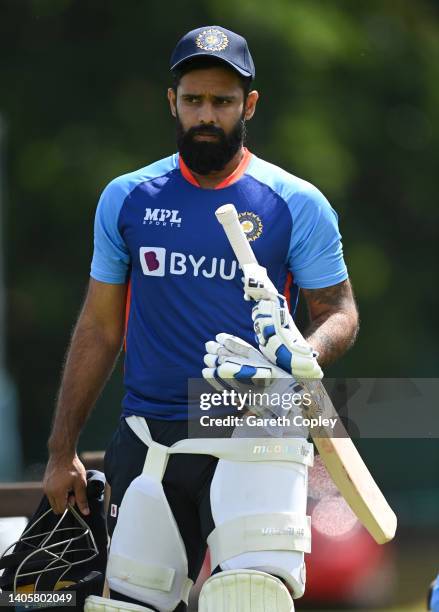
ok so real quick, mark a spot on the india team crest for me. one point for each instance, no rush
(251, 224)
(212, 40)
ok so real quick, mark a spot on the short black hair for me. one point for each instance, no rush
(202, 62)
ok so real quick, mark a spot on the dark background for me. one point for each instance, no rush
(349, 101)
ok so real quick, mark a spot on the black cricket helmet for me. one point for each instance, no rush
(62, 553)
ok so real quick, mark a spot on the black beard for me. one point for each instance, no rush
(204, 157)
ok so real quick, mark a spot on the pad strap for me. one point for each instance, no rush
(94, 603)
(156, 460)
(145, 575)
(260, 532)
(295, 450)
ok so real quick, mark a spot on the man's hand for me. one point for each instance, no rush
(232, 363)
(275, 335)
(65, 481)
(257, 285)
(272, 326)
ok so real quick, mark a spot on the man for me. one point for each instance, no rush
(164, 278)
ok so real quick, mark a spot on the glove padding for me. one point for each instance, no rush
(257, 285)
(233, 363)
(274, 330)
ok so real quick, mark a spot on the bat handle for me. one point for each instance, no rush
(228, 217)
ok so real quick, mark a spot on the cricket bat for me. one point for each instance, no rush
(341, 458)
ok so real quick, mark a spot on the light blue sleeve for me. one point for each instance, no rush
(315, 256)
(111, 258)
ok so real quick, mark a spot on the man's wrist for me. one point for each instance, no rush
(61, 450)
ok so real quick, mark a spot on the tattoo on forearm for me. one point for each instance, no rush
(334, 296)
(334, 321)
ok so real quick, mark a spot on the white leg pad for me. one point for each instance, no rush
(245, 494)
(244, 591)
(147, 559)
(93, 603)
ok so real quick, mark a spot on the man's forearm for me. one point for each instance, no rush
(90, 361)
(334, 320)
(332, 335)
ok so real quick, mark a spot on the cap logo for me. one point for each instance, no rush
(212, 40)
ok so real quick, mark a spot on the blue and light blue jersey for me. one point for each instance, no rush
(156, 230)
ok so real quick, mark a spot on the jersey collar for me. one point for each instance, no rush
(229, 180)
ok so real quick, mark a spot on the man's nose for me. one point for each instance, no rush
(207, 113)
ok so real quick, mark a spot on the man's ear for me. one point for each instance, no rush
(250, 104)
(172, 98)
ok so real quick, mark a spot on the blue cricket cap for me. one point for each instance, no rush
(215, 41)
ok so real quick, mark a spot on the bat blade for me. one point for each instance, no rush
(342, 460)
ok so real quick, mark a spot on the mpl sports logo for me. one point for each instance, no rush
(162, 216)
(155, 261)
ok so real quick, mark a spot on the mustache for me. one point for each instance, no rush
(205, 130)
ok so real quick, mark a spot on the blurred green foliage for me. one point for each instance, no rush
(349, 101)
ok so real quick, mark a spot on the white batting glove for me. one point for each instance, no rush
(233, 363)
(257, 285)
(279, 344)
(272, 326)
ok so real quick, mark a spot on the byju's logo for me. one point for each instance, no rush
(156, 262)
(162, 216)
(152, 260)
